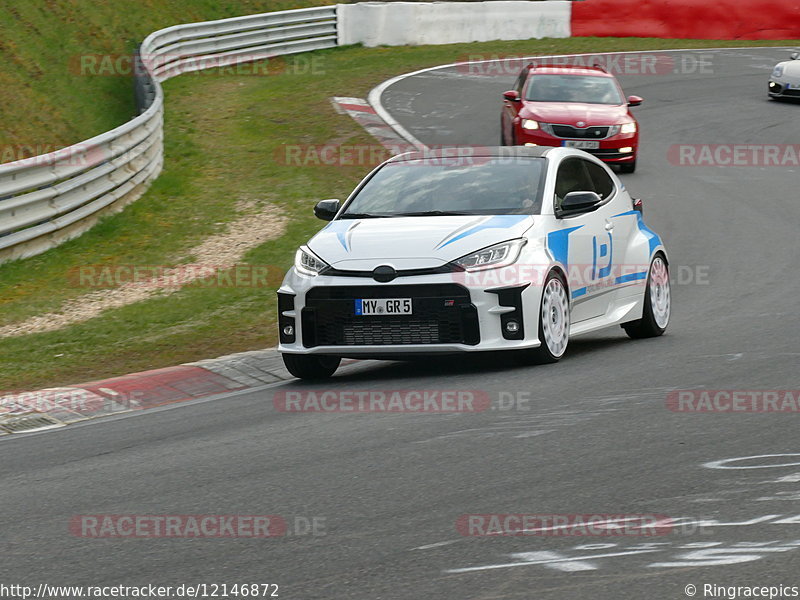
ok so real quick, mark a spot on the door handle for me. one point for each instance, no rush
(609, 226)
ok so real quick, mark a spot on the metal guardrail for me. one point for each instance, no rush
(48, 199)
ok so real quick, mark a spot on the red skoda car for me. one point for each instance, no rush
(577, 107)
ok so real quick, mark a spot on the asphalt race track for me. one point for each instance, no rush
(595, 437)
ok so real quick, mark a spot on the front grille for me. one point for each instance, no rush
(442, 314)
(791, 92)
(405, 331)
(446, 268)
(588, 133)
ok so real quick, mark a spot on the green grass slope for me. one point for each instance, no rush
(45, 100)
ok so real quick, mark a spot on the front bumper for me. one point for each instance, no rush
(452, 313)
(783, 89)
(608, 151)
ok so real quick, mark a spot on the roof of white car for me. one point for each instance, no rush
(472, 151)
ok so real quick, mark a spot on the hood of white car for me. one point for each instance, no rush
(791, 68)
(412, 242)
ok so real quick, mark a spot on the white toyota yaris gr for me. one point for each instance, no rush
(470, 250)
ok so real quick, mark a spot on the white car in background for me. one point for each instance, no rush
(469, 250)
(785, 79)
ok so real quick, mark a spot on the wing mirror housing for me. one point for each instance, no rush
(326, 209)
(579, 202)
(794, 55)
(512, 95)
(635, 100)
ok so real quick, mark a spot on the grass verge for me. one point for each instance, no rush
(46, 99)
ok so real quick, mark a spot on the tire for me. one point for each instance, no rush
(310, 366)
(503, 141)
(554, 322)
(628, 167)
(657, 303)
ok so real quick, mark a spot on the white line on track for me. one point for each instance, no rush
(548, 561)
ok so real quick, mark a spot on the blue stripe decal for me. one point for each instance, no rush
(631, 277)
(496, 222)
(340, 228)
(652, 237)
(621, 279)
(603, 272)
(558, 244)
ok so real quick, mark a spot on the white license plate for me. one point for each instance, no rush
(383, 307)
(582, 144)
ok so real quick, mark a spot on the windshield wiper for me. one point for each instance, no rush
(363, 216)
(435, 213)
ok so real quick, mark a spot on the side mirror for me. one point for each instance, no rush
(326, 209)
(635, 100)
(638, 206)
(795, 55)
(512, 95)
(578, 202)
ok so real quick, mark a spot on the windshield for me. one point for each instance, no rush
(478, 186)
(587, 89)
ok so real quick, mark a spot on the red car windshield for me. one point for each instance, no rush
(586, 89)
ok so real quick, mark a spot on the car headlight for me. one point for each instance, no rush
(777, 71)
(307, 263)
(493, 257)
(529, 124)
(628, 128)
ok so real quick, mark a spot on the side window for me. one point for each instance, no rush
(572, 176)
(602, 183)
